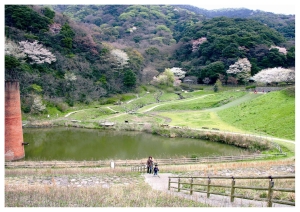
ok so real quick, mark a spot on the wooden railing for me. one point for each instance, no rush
(214, 159)
(205, 185)
(131, 163)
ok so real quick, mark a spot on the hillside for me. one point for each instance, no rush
(273, 114)
(284, 24)
(100, 51)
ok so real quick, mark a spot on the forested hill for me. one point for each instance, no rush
(284, 24)
(63, 54)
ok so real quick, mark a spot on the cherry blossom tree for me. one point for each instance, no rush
(178, 72)
(36, 53)
(241, 70)
(275, 75)
(13, 49)
(197, 43)
(121, 56)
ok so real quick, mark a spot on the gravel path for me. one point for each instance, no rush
(160, 182)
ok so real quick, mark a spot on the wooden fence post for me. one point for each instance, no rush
(191, 188)
(169, 185)
(179, 184)
(270, 191)
(232, 190)
(208, 187)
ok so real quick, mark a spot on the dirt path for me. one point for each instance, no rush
(160, 182)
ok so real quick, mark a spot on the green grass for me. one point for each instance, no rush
(198, 119)
(209, 101)
(270, 114)
(91, 114)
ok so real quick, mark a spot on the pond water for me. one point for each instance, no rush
(91, 144)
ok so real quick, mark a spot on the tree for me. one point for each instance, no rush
(290, 57)
(13, 58)
(166, 78)
(212, 71)
(67, 35)
(206, 80)
(37, 105)
(129, 78)
(180, 74)
(216, 87)
(275, 75)
(120, 56)
(13, 49)
(241, 70)
(36, 53)
(25, 18)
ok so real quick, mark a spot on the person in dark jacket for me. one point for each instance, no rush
(155, 169)
(149, 165)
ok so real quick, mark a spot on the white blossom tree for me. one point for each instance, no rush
(178, 72)
(36, 52)
(121, 56)
(37, 105)
(13, 49)
(275, 75)
(241, 70)
(69, 76)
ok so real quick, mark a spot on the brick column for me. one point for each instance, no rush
(14, 150)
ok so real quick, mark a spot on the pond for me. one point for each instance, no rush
(90, 144)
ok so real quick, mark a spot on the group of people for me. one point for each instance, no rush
(150, 168)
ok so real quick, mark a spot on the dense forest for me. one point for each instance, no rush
(63, 54)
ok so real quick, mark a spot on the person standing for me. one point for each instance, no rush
(149, 165)
(155, 169)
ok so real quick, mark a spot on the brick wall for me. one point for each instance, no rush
(14, 150)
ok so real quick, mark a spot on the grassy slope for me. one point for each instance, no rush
(266, 114)
(207, 117)
(208, 101)
(272, 114)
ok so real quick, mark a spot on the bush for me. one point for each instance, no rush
(250, 86)
(127, 97)
(70, 102)
(111, 100)
(62, 107)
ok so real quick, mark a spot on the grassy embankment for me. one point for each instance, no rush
(271, 114)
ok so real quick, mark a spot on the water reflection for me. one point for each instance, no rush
(90, 144)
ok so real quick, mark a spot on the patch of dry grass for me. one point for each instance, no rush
(140, 195)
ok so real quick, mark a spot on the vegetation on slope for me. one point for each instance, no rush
(272, 114)
(85, 38)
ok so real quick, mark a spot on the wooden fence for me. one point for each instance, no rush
(137, 163)
(188, 183)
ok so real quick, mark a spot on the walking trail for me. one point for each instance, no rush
(160, 182)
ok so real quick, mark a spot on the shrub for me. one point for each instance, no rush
(62, 107)
(250, 86)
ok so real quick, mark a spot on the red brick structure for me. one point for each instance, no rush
(14, 148)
